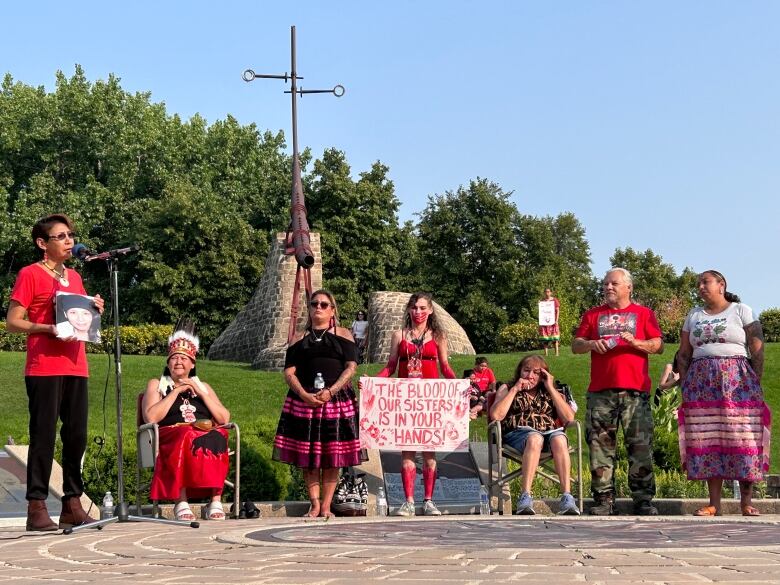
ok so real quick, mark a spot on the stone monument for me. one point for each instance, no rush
(258, 334)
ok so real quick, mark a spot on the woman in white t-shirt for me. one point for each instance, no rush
(724, 421)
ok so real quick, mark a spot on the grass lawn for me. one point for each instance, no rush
(255, 398)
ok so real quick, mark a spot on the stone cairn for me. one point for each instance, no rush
(258, 334)
(386, 314)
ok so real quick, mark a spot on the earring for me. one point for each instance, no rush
(45, 256)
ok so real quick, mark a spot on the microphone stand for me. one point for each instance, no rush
(122, 508)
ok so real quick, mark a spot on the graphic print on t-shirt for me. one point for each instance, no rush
(709, 331)
(613, 324)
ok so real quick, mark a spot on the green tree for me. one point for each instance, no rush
(468, 248)
(362, 244)
(113, 161)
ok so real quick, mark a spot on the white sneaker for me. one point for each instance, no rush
(430, 509)
(406, 509)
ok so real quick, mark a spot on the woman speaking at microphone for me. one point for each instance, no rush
(419, 350)
(55, 373)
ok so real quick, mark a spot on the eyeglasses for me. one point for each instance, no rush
(61, 236)
(320, 304)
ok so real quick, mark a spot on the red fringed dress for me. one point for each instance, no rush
(188, 457)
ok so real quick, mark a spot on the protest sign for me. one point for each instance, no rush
(414, 414)
(546, 312)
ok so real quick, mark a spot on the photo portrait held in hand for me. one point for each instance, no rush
(77, 316)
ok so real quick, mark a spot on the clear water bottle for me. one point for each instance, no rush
(484, 501)
(107, 510)
(319, 382)
(381, 502)
(735, 487)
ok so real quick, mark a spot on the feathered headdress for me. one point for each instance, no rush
(183, 340)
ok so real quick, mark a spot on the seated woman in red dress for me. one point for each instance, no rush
(193, 458)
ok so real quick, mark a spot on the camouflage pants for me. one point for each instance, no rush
(631, 410)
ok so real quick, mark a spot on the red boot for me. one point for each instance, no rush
(38, 518)
(72, 513)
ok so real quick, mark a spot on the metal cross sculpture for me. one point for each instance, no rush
(298, 241)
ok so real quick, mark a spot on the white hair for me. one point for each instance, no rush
(627, 278)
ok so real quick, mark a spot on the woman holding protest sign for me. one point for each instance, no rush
(549, 330)
(318, 429)
(419, 350)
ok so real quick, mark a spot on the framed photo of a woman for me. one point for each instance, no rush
(77, 317)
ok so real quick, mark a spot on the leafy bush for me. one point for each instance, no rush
(138, 339)
(666, 446)
(135, 339)
(671, 315)
(519, 337)
(770, 323)
(11, 341)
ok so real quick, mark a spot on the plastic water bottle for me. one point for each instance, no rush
(484, 501)
(107, 511)
(381, 502)
(735, 486)
(319, 382)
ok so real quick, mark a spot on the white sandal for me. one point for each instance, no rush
(183, 512)
(215, 511)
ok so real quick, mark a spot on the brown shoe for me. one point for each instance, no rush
(38, 518)
(72, 513)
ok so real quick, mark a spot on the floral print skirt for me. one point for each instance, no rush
(724, 423)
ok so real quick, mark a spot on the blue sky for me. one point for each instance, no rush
(656, 123)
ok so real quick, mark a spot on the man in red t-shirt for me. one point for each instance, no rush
(619, 336)
(55, 373)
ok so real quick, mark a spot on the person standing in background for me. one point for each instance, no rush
(550, 332)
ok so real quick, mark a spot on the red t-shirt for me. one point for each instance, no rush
(483, 379)
(46, 355)
(622, 366)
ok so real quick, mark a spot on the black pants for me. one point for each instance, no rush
(52, 397)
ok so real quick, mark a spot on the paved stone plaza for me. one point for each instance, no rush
(455, 550)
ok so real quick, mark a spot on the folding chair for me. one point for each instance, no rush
(499, 454)
(147, 448)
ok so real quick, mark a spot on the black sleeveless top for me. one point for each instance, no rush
(329, 356)
(175, 414)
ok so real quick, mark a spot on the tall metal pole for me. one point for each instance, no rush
(298, 241)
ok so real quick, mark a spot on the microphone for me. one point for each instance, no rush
(84, 254)
(80, 252)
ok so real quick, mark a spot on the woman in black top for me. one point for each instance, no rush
(318, 429)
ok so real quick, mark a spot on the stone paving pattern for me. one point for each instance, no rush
(453, 550)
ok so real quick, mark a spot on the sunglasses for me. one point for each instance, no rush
(320, 304)
(61, 236)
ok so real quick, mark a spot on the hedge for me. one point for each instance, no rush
(135, 339)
